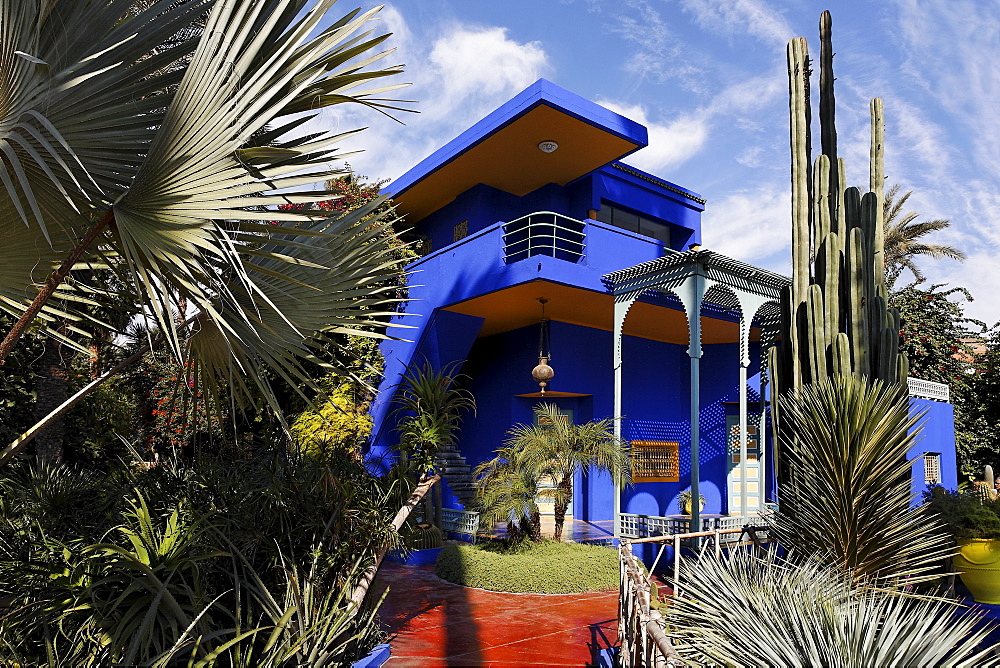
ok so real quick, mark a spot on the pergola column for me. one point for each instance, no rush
(749, 305)
(622, 304)
(691, 293)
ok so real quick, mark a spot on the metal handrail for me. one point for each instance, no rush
(545, 237)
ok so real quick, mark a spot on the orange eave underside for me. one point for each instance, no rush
(518, 307)
(510, 160)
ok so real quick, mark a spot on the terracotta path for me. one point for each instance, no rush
(437, 623)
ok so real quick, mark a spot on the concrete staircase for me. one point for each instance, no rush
(453, 468)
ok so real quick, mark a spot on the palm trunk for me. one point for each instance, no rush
(562, 503)
(53, 282)
(513, 532)
(536, 525)
(358, 597)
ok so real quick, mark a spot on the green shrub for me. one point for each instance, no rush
(254, 559)
(965, 514)
(547, 567)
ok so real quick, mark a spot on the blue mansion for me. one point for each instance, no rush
(539, 240)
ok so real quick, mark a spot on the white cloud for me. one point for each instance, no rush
(741, 17)
(660, 54)
(670, 144)
(476, 66)
(752, 225)
(459, 73)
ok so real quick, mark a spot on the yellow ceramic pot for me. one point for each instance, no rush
(978, 564)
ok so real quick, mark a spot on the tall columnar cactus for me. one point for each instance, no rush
(836, 317)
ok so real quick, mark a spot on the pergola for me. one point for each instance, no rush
(697, 277)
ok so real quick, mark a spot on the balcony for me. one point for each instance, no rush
(928, 389)
(544, 233)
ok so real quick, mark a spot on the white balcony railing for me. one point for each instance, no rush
(928, 389)
(544, 233)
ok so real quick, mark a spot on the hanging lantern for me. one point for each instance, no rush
(543, 373)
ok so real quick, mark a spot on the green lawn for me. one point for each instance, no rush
(544, 568)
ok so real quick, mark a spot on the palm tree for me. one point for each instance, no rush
(509, 493)
(167, 165)
(559, 450)
(902, 237)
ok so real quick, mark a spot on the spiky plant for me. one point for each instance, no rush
(745, 610)
(841, 421)
(849, 482)
(431, 405)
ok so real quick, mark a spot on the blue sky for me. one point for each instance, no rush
(708, 78)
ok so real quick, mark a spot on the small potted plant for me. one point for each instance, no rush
(684, 500)
(973, 518)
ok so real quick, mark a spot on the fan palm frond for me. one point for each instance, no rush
(83, 91)
(205, 191)
(191, 166)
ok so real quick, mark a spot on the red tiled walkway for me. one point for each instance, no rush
(441, 624)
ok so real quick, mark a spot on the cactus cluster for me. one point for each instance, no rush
(986, 488)
(836, 318)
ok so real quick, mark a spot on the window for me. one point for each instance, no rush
(634, 222)
(932, 468)
(460, 231)
(565, 417)
(655, 461)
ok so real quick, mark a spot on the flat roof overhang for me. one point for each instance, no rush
(502, 150)
(517, 306)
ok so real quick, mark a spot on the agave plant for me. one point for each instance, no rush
(847, 498)
(745, 610)
(170, 167)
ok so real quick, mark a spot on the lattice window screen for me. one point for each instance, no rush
(460, 231)
(932, 468)
(655, 461)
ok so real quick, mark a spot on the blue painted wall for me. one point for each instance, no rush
(937, 435)
(474, 266)
(485, 205)
(655, 404)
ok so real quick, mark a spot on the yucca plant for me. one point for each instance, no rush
(167, 165)
(746, 610)
(431, 406)
(847, 498)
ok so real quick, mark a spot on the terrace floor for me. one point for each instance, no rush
(436, 623)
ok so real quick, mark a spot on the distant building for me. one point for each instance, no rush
(538, 240)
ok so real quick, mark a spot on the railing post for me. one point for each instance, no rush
(677, 564)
